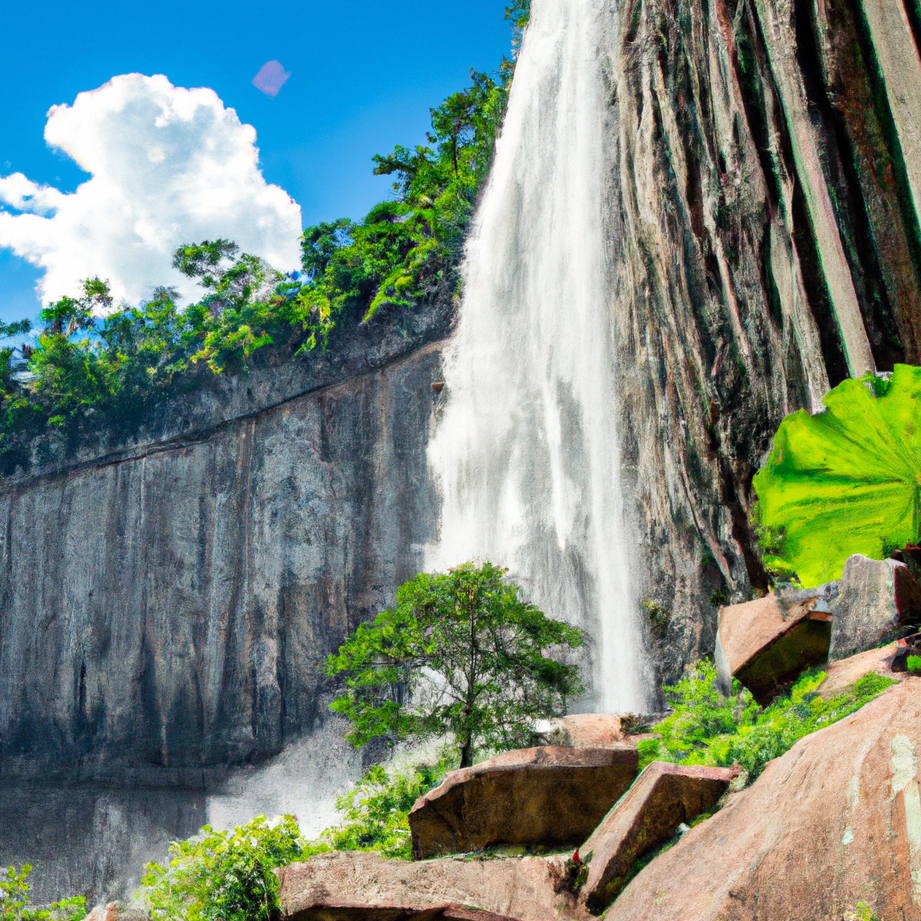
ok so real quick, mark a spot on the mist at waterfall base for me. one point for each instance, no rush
(526, 452)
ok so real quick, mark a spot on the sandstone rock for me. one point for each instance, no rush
(876, 599)
(549, 796)
(847, 672)
(835, 821)
(766, 644)
(340, 886)
(586, 730)
(663, 798)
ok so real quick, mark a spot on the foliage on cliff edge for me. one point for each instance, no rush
(95, 364)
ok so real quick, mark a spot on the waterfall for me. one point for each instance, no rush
(526, 450)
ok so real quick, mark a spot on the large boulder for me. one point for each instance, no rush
(768, 643)
(834, 822)
(876, 600)
(551, 796)
(663, 797)
(364, 886)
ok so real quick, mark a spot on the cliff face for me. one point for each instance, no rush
(167, 607)
(764, 180)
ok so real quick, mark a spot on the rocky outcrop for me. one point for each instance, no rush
(188, 591)
(345, 886)
(768, 643)
(834, 822)
(876, 599)
(586, 730)
(551, 796)
(765, 219)
(663, 797)
(845, 673)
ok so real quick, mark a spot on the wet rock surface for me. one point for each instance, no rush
(554, 797)
(663, 797)
(833, 822)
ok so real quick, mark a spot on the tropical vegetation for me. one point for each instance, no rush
(460, 655)
(92, 364)
(843, 481)
(15, 900)
(707, 727)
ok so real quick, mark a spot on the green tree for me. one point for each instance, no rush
(461, 653)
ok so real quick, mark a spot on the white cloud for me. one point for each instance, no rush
(168, 166)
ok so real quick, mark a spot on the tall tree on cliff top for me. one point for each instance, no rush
(460, 654)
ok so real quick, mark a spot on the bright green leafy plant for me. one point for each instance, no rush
(707, 728)
(460, 654)
(844, 481)
(224, 875)
(375, 812)
(14, 900)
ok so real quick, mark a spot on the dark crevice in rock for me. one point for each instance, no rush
(847, 199)
(913, 12)
(890, 162)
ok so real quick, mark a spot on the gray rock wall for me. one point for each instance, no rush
(763, 175)
(171, 611)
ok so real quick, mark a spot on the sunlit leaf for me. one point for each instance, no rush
(846, 480)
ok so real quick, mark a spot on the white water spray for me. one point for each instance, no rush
(527, 450)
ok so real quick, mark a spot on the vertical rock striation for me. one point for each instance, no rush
(762, 180)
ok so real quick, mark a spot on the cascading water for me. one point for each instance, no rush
(526, 451)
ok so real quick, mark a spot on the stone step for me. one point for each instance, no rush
(551, 796)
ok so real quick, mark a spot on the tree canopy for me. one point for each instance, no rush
(461, 654)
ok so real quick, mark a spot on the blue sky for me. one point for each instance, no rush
(363, 76)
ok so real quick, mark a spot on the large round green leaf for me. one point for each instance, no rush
(846, 480)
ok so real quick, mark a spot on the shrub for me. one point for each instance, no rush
(224, 875)
(376, 811)
(14, 900)
(707, 728)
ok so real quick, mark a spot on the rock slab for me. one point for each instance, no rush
(877, 598)
(664, 796)
(834, 822)
(768, 644)
(362, 885)
(550, 796)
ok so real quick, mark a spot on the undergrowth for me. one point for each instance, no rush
(706, 727)
(229, 875)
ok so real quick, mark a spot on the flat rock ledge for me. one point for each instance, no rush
(344, 886)
(663, 797)
(551, 796)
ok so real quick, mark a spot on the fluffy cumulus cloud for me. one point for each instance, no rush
(168, 166)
